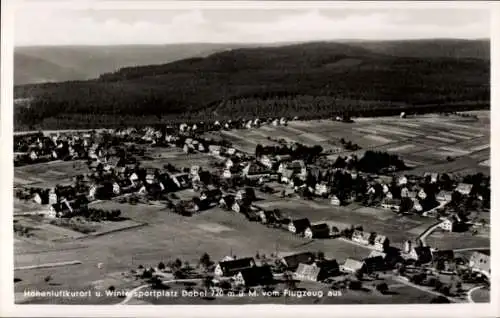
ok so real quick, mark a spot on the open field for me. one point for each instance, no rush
(481, 295)
(446, 240)
(49, 174)
(396, 228)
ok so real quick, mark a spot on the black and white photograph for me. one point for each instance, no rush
(213, 153)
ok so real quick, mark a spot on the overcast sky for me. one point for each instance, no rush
(50, 26)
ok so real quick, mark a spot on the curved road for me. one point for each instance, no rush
(469, 293)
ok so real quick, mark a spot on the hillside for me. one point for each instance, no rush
(450, 48)
(313, 79)
(70, 63)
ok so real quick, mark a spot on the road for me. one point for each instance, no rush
(469, 293)
(427, 232)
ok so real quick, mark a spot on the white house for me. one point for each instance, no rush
(52, 197)
(116, 188)
(447, 225)
(215, 150)
(266, 161)
(321, 189)
(404, 192)
(371, 190)
(416, 205)
(226, 174)
(194, 170)
(402, 180)
(335, 201)
(37, 198)
(464, 188)
(444, 196)
(381, 242)
(133, 177)
(275, 122)
(33, 155)
(385, 188)
(389, 195)
(229, 163)
(421, 194)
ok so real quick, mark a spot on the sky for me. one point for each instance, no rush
(47, 25)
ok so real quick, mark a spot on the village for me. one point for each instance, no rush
(344, 192)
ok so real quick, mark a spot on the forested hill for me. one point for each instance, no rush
(312, 79)
(42, 64)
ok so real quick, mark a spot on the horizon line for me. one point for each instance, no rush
(261, 43)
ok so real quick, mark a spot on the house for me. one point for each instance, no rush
(402, 180)
(389, 195)
(352, 266)
(33, 155)
(464, 188)
(404, 192)
(422, 194)
(181, 180)
(240, 206)
(116, 188)
(212, 195)
(229, 163)
(227, 201)
(299, 226)
(266, 161)
(385, 188)
(371, 190)
(226, 174)
(416, 205)
(335, 201)
(37, 198)
(444, 197)
(215, 150)
(421, 254)
(361, 237)
(194, 170)
(125, 186)
(292, 261)
(252, 170)
(254, 276)
(317, 231)
(447, 225)
(133, 177)
(306, 272)
(381, 242)
(480, 262)
(432, 176)
(391, 204)
(452, 224)
(374, 264)
(283, 121)
(442, 259)
(233, 267)
(377, 254)
(267, 217)
(246, 194)
(321, 189)
(275, 122)
(407, 247)
(60, 209)
(231, 151)
(287, 176)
